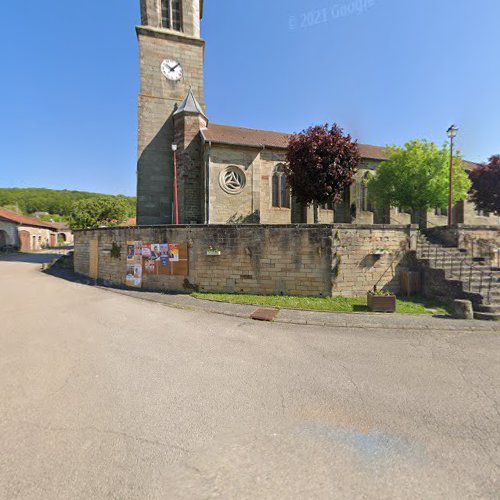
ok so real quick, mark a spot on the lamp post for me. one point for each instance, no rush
(176, 199)
(452, 133)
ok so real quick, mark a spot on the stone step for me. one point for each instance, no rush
(467, 276)
(466, 269)
(446, 258)
(491, 308)
(493, 298)
(441, 251)
(485, 316)
(474, 277)
(465, 266)
(494, 292)
(457, 252)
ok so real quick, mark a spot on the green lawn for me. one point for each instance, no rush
(412, 305)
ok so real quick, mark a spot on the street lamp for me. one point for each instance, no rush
(452, 133)
(176, 199)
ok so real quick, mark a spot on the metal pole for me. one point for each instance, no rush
(450, 200)
(176, 199)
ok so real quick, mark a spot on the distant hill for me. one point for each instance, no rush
(52, 201)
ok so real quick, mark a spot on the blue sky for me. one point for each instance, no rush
(385, 70)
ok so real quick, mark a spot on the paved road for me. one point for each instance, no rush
(107, 396)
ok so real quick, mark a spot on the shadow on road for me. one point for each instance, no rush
(32, 258)
(71, 276)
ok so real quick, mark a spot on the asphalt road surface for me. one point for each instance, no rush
(107, 396)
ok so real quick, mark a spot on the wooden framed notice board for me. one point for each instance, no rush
(157, 259)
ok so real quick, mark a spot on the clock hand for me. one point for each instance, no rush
(176, 66)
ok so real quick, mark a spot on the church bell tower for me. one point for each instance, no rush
(171, 65)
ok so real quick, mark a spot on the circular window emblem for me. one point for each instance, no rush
(232, 180)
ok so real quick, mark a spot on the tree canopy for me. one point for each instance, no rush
(486, 186)
(98, 212)
(55, 202)
(321, 162)
(416, 177)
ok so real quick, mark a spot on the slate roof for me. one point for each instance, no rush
(190, 105)
(239, 136)
(24, 220)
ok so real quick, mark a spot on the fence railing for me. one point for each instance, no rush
(475, 278)
(484, 249)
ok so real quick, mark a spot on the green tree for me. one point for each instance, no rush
(54, 202)
(416, 178)
(98, 212)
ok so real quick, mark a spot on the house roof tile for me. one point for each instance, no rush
(24, 220)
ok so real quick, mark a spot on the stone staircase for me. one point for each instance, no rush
(462, 277)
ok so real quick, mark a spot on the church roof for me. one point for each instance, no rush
(190, 105)
(239, 136)
(224, 134)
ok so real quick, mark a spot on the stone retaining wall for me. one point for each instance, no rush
(479, 241)
(310, 260)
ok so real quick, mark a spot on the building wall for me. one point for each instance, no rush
(11, 233)
(190, 167)
(157, 101)
(228, 208)
(68, 237)
(40, 238)
(269, 160)
(263, 259)
(255, 202)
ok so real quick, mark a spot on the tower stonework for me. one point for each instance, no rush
(170, 31)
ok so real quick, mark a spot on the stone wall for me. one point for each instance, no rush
(226, 208)
(462, 235)
(472, 217)
(479, 241)
(290, 259)
(370, 256)
(158, 100)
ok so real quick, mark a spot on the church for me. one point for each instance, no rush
(193, 171)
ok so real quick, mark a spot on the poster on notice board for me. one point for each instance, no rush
(167, 259)
(134, 264)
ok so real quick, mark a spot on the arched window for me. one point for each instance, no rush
(171, 15)
(366, 205)
(280, 189)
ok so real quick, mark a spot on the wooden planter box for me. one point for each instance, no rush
(381, 303)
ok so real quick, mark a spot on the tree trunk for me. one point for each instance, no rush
(316, 213)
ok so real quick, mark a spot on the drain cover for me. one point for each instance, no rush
(264, 314)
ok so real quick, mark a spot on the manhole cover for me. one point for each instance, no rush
(264, 314)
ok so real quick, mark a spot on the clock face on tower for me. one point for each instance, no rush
(172, 70)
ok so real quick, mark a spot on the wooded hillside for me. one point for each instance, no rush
(56, 202)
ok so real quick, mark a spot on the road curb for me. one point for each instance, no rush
(246, 310)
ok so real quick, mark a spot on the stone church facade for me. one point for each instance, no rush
(225, 174)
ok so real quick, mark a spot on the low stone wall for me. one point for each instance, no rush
(479, 241)
(370, 256)
(310, 260)
(435, 285)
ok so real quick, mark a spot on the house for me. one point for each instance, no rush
(24, 233)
